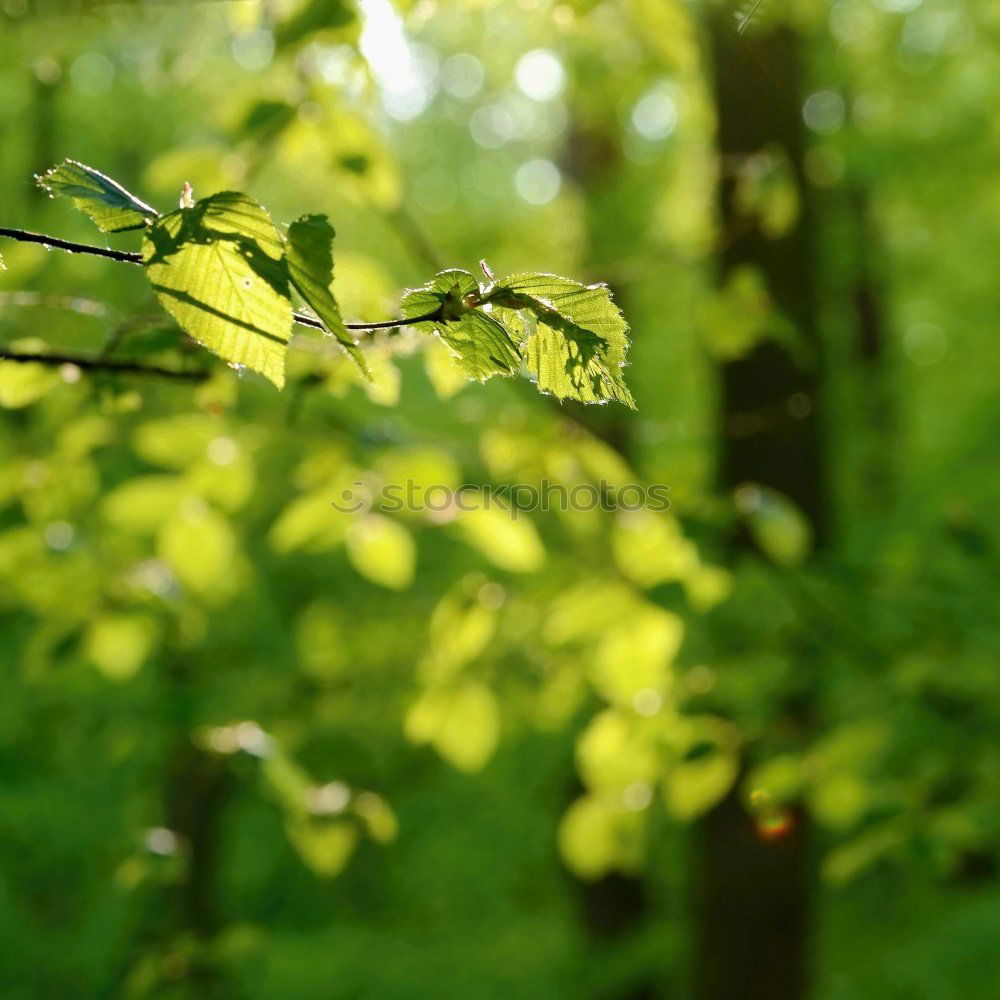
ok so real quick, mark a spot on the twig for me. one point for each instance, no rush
(126, 257)
(52, 243)
(303, 320)
(745, 19)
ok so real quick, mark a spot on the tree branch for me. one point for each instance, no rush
(126, 257)
(52, 243)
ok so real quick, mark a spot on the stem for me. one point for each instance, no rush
(97, 365)
(388, 324)
(125, 257)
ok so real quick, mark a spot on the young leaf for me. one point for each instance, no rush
(579, 345)
(482, 346)
(219, 269)
(310, 266)
(444, 293)
(113, 208)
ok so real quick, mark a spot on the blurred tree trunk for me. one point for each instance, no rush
(615, 906)
(753, 895)
(198, 786)
(183, 915)
(876, 471)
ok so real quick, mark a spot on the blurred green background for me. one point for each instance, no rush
(254, 747)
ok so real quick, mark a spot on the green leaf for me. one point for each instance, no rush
(508, 539)
(198, 544)
(312, 16)
(324, 847)
(692, 787)
(382, 551)
(110, 206)
(779, 528)
(598, 834)
(310, 266)
(140, 505)
(119, 644)
(461, 629)
(310, 524)
(219, 269)
(636, 654)
(461, 722)
(578, 349)
(617, 749)
(23, 383)
(482, 346)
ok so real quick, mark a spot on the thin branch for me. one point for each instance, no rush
(125, 257)
(304, 319)
(52, 243)
(744, 19)
(390, 324)
(99, 365)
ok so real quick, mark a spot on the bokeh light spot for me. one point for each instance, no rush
(538, 181)
(654, 116)
(540, 75)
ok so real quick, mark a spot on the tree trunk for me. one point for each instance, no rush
(753, 894)
(876, 472)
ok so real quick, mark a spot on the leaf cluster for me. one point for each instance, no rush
(225, 272)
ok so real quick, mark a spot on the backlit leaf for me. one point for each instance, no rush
(779, 528)
(310, 267)
(635, 654)
(508, 539)
(119, 644)
(650, 548)
(140, 505)
(599, 834)
(692, 787)
(324, 846)
(443, 293)
(382, 551)
(615, 751)
(110, 206)
(482, 347)
(309, 523)
(199, 546)
(23, 383)
(579, 345)
(176, 442)
(462, 723)
(461, 628)
(218, 268)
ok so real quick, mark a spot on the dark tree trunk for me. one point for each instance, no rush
(186, 910)
(876, 472)
(769, 408)
(753, 894)
(616, 905)
(753, 897)
(197, 789)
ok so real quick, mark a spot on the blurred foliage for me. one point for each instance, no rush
(265, 733)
